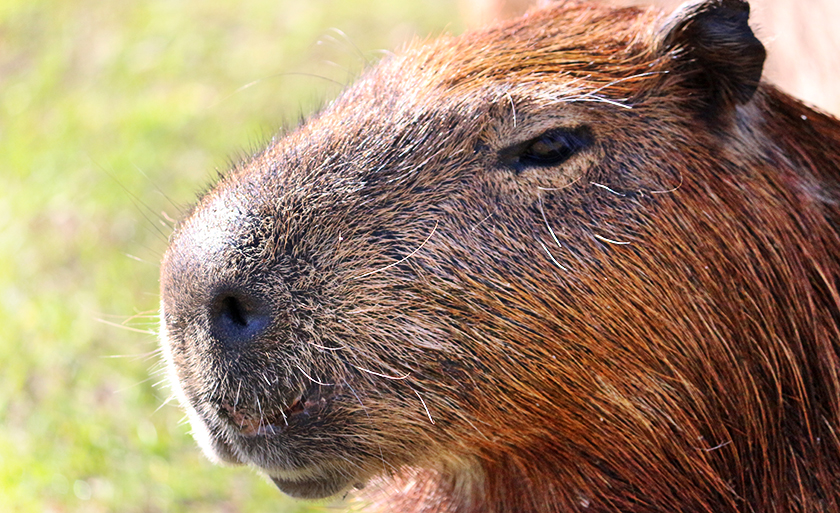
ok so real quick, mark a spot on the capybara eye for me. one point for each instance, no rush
(551, 148)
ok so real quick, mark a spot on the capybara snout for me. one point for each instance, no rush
(581, 260)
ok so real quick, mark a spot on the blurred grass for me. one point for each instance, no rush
(112, 116)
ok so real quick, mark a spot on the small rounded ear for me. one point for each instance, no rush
(712, 46)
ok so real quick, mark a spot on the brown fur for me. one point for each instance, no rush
(801, 37)
(385, 295)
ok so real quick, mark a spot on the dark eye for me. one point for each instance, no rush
(550, 148)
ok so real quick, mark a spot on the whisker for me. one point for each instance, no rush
(382, 375)
(166, 216)
(137, 202)
(576, 180)
(259, 409)
(592, 96)
(428, 413)
(162, 382)
(283, 414)
(547, 225)
(146, 355)
(152, 313)
(325, 348)
(275, 75)
(481, 222)
(138, 259)
(129, 387)
(164, 403)
(349, 41)
(127, 328)
(385, 464)
(719, 446)
(625, 79)
(158, 189)
(236, 398)
(558, 264)
(358, 399)
(620, 243)
(310, 378)
(596, 99)
(398, 262)
(608, 189)
(513, 107)
(468, 421)
(682, 178)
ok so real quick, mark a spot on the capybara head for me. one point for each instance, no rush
(581, 260)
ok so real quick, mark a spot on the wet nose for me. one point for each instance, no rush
(238, 318)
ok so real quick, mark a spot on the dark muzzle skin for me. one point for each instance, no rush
(579, 261)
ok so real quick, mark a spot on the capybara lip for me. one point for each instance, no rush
(251, 421)
(311, 488)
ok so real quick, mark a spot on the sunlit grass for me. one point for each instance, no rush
(112, 116)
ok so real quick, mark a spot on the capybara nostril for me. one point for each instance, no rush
(236, 319)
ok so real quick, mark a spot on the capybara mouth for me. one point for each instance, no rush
(252, 421)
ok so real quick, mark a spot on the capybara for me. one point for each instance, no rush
(583, 260)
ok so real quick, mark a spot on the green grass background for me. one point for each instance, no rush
(112, 116)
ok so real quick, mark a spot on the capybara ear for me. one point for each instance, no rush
(711, 44)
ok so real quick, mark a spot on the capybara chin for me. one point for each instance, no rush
(581, 260)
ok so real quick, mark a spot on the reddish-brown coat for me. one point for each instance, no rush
(650, 325)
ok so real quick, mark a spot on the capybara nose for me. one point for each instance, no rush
(238, 318)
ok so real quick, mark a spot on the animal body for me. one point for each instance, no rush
(583, 260)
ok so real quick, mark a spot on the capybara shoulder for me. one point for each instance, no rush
(584, 260)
